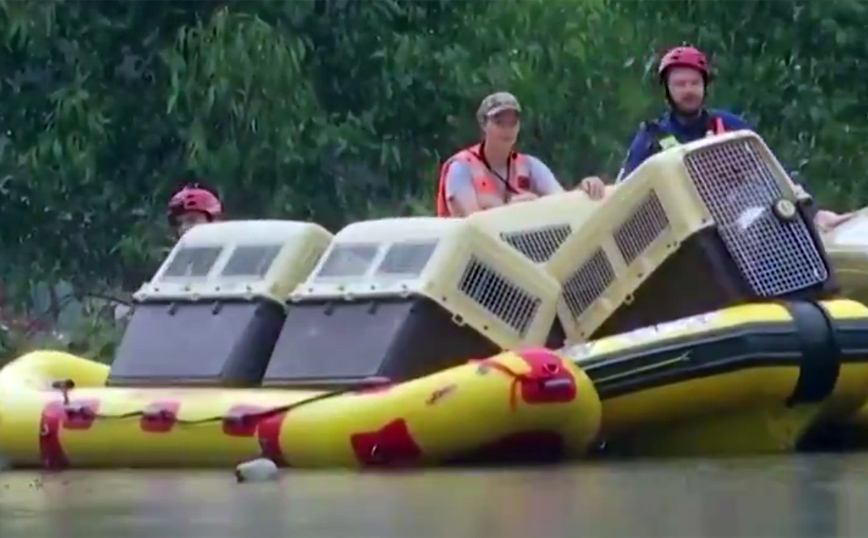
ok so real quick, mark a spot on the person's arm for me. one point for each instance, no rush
(640, 149)
(543, 180)
(460, 194)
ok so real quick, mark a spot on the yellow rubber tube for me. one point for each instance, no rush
(524, 401)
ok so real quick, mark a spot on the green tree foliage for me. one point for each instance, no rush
(338, 110)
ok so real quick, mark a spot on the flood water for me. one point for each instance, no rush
(820, 496)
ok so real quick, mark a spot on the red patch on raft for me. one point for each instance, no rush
(242, 420)
(264, 423)
(76, 415)
(547, 381)
(390, 446)
(269, 438)
(50, 449)
(80, 414)
(160, 417)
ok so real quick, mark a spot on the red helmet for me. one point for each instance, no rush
(684, 57)
(194, 198)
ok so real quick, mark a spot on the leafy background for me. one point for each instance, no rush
(339, 110)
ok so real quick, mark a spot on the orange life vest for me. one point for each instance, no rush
(484, 179)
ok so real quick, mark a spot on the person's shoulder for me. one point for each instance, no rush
(531, 159)
(461, 159)
(457, 168)
(537, 165)
(653, 125)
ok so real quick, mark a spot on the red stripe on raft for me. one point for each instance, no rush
(57, 416)
(160, 417)
(547, 381)
(390, 446)
(250, 420)
(269, 438)
(51, 451)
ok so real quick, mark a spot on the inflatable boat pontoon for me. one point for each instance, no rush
(692, 311)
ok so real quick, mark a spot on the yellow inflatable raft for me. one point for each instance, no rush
(277, 338)
(56, 412)
(747, 379)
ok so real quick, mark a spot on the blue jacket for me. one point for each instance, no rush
(645, 143)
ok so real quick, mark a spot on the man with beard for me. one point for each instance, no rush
(684, 74)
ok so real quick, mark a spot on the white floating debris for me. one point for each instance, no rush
(258, 470)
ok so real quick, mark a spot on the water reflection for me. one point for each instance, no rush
(794, 496)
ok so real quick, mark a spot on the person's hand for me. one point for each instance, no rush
(523, 196)
(594, 187)
(826, 221)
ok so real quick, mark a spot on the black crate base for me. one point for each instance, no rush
(346, 343)
(223, 343)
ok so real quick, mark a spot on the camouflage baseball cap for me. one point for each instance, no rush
(497, 102)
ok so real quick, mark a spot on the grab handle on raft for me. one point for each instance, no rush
(64, 386)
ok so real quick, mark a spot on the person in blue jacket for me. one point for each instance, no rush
(684, 74)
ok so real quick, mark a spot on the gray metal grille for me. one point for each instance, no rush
(513, 305)
(588, 283)
(641, 228)
(538, 244)
(739, 188)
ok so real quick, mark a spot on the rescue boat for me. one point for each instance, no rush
(215, 367)
(748, 379)
(56, 412)
(693, 310)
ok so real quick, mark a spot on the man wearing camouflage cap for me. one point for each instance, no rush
(491, 173)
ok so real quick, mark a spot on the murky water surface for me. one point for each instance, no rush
(820, 496)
